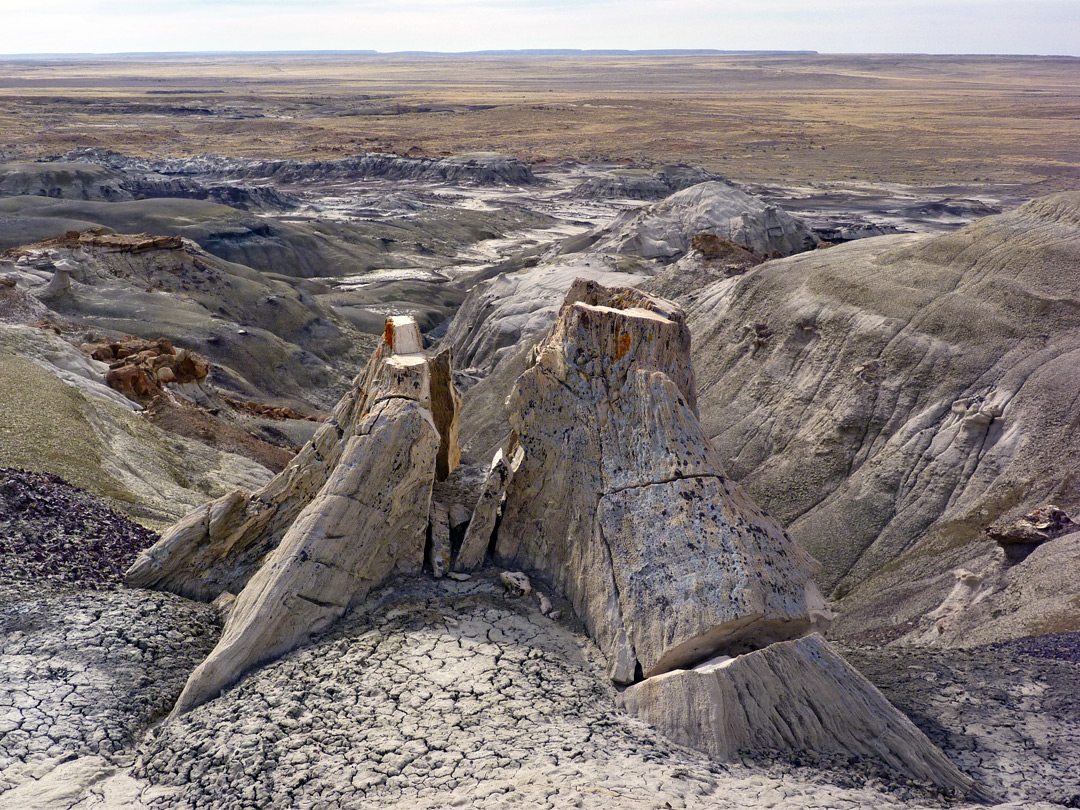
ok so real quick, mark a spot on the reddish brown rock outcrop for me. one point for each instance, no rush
(139, 368)
(1038, 526)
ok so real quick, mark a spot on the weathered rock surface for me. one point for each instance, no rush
(794, 696)
(494, 331)
(491, 703)
(620, 503)
(367, 522)
(501, 317)
(440, 548)
(913, 390)
(664, 230)
(446, 413)
(350, 510)
(139, 368)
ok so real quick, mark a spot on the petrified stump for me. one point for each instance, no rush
(621, 503)
(367, 522)
(351, 510)
(219, 546)
(791, 696)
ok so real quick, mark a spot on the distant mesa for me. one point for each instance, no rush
(641, 184)
(477, 168)
(84, 180)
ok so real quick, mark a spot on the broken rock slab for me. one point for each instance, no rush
(797, 695)
(439, 547)
(620, 503)
(219, 546)
(474, 546)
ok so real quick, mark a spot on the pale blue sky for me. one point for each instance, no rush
(894, 26)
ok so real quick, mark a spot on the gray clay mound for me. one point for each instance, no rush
(664, 230)
(889, 399)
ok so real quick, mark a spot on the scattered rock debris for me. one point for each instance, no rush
(51, 530)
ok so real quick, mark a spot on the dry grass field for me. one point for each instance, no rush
(904, 119)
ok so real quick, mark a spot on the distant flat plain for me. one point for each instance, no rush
(799, 117)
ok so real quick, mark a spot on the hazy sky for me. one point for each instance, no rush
(900, 26)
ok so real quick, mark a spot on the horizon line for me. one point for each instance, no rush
(520, 52)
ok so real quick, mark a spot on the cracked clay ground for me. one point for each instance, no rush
(431, 694)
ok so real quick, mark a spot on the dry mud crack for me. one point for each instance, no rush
(430, 694)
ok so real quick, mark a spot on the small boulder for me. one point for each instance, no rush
(1038, 526)
(516, 583)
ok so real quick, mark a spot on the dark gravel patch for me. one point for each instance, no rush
(51, 530)
(1056, 646)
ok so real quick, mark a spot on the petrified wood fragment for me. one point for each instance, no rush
(793, 696)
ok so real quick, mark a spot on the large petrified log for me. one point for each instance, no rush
(332, 526)
(219, 546)
(620, 502)
(367, 522)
